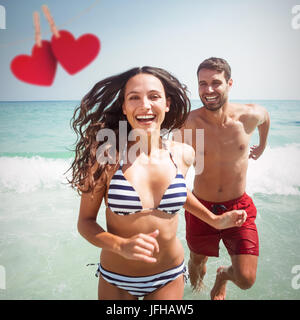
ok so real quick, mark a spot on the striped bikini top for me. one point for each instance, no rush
(124, 200)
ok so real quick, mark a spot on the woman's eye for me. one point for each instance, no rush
(154, 97)
(133, 97)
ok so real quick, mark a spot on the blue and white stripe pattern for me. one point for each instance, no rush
(141, 286)
(124, 200)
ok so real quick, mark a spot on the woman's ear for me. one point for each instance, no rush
(123, 109)
(168, 104)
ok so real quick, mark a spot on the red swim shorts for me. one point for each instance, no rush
(204, 239)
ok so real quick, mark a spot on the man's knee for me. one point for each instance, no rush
(198, 259)
(244, 270)
(245, 279)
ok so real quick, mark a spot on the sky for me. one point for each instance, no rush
(256, 37)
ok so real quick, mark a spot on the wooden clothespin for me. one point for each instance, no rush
(48, 16)
(73, 55)
(37, 29)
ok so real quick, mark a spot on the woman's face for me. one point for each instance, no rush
(145, 102)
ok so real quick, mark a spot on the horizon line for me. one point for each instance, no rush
(76, 100)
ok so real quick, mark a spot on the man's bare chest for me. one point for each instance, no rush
(226, 142)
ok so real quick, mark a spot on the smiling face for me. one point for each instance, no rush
(145, 102)
(213, 88)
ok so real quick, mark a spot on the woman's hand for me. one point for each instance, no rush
(140, 247)
(229, 219)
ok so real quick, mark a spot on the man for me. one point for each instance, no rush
(221, 186)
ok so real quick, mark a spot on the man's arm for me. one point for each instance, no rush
(263, 126)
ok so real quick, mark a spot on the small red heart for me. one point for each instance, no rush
(74, 55)
(39, 68)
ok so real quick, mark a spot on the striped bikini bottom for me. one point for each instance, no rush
(141, 286)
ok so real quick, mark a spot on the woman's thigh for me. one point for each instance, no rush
(171, 291)
(108, 291)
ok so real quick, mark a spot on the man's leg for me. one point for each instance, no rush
(204, 239)
(242, 272)
(197, 270)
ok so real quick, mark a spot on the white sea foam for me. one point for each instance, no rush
(29, 174)
(275, 172)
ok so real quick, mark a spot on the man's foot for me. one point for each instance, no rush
(218, 292)
(196, 274)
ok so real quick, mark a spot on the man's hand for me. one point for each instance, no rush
(256, 152)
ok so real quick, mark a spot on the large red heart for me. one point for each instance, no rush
(39, 68)
(74, 55)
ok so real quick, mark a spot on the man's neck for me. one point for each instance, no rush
(220, 116)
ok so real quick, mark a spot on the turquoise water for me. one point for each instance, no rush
(42, 256)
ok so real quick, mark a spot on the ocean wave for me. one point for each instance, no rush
(275, 172)
(22, 174)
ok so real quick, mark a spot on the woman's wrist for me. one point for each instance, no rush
(117, 243)
(215, 221)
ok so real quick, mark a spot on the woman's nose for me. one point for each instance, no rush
(146, 103)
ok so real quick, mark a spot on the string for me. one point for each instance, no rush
(50, 20)
(47, 33)
(37, 29)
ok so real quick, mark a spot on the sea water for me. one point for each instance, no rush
(42, 256)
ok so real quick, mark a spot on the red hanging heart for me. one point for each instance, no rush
(39, 68)
(74, 55)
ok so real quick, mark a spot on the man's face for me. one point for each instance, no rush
(213, 88)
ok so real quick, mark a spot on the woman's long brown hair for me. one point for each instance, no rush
(101, 108)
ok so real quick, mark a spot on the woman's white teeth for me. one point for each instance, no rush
(145, 117)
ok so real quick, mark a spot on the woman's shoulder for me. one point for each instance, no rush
(182, 152)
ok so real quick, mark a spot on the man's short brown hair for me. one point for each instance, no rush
(217, 64)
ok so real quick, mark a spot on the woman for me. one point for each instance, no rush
(141, 255)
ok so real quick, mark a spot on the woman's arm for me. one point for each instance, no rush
(234, 218)
(138, 247)
(89, 228)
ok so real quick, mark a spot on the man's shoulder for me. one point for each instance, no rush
(247, 109)
(194, 116)
(251, 114)
(249, 106)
